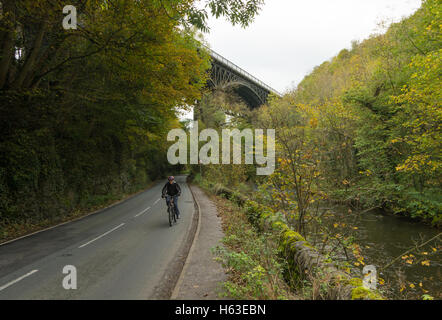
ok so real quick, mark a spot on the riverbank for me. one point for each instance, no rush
(382, 238)
(308, 273)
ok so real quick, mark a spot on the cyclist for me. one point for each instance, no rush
(172, 189)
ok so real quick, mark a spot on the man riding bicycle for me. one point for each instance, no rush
(172, 190)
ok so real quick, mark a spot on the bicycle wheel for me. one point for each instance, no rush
(174, 215)
(169, 211)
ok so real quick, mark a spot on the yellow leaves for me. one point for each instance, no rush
(355, 228)
(381, 281)
(313, 122)
(426, 263)
(418, 102)
(417, 163)
(412, 286)
(360, 262)
(407, 260)
(335, 225)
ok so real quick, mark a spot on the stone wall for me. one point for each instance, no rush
(301, 256)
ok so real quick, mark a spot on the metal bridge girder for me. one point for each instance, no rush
(226, 74)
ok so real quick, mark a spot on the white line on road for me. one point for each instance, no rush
(84, 245)
(17, 280)
(142, 212)
(157, 201)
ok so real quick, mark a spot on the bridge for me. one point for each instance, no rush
(225, 74)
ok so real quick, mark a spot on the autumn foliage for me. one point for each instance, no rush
(84, 113)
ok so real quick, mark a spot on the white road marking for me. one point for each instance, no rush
(17, 280)
(142, 212)
(89, 242)
(157, 201)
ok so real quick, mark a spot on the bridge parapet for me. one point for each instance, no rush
(241, 71)
(225, 72)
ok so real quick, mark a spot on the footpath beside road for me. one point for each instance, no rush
(201, 275)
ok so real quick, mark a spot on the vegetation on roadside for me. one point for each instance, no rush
(84, 113)
(251, 259)
(84, 116)
(362, 130)
(267, 260)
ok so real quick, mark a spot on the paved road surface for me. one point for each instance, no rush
(120, 253)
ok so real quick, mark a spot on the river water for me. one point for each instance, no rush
(383, 238)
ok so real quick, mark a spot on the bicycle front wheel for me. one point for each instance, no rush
(170, 211)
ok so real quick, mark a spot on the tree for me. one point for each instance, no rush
(84, 113)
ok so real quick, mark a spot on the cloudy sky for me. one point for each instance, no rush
(290, 37)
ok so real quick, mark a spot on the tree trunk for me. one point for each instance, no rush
(27, 69)
(7, 49)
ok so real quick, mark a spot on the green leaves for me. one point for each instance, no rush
(389, 87)
(190, 13)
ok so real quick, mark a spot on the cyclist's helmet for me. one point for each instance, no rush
(171, 178)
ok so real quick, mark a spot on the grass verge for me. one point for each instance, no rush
(254, 269)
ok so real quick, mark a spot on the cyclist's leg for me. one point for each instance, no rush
(175, 202)
(167, 200)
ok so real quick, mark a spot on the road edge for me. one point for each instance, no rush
(173, 273)
(177, 287)
(83, 216)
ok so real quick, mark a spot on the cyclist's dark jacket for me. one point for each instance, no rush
(172, 189)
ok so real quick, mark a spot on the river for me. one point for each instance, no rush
(384, 237)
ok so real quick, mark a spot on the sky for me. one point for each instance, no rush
(290, 37)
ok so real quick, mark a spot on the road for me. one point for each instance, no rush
(120, 253)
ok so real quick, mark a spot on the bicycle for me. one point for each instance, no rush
(171, 212)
